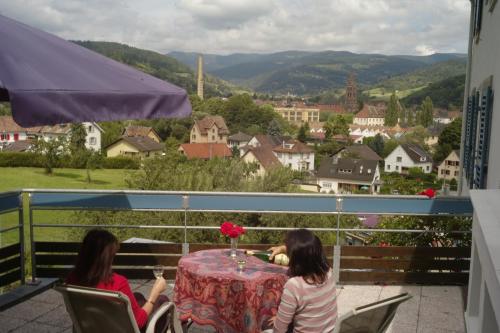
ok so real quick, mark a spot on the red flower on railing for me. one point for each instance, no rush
(232, 230)
(429, 193)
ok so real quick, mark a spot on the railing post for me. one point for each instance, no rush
(21, 238)
(336, 263)
(338, 206)
(185, 206)
(32, 242)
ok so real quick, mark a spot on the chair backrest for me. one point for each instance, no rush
(94, 310)
(371, 318)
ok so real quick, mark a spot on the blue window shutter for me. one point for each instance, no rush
(483, 142)
(473, 135)
(467, 136)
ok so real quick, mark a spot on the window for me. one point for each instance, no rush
(447, 172)
(397, 167)
(456, 173)
(388, 167)
(428, 168)
(442, 171)
(16, 136)
(327, 185)
(93, 141)
(213, 137)
(193, 136)
(478, 17)
(399, 159)
(90, 129)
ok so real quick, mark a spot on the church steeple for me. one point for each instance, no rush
(351, 94)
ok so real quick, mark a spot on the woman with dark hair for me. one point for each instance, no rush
(309, 299)
(93, 269)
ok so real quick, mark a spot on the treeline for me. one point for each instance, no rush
(446, 94)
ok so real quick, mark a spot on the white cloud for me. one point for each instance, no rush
(227, 26)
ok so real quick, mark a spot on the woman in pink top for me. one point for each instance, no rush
(309, 299)
(93, 269)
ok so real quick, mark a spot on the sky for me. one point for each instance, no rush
(415, 27)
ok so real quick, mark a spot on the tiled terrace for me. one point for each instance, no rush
(436, 309)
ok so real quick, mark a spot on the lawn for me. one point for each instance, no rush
(24, 178)
(19, 178)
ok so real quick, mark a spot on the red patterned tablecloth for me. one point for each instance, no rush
(210, 290)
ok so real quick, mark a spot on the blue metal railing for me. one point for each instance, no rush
(12, 256)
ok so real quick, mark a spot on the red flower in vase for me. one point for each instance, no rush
(430, 193)
(232, 230)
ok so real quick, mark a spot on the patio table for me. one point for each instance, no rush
(210, 290)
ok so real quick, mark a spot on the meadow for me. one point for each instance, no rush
(33, 178)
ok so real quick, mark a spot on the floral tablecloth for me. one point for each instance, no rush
(211, 291)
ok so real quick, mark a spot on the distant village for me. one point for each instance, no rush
(353, 168)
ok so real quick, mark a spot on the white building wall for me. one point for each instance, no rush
(485, 62)
(93, 139)
(10, 135)
(393, 165)
(294, 161)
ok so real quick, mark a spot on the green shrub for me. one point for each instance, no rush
(16, 159)
(120, 162)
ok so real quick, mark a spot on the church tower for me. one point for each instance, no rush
(200, 76)
(351, 94)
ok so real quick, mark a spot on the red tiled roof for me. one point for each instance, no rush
(297, 147)
(138, 131)
(370, 111)
(205, 150)
(7, 124)
(208, 122)
(265, 156)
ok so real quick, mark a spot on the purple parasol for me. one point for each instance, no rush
(49, 80)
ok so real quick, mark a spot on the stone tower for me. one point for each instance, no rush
(351, 94)
(200, 76)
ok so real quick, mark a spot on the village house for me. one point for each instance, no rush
(295, 155)
(239, 140)
(370, 115)
(141, 131)
(449, 169)
(11, 132)
(407, 156)
(358, 151)
(299, 115)
(205, 151)
(211, 129)
(263, 157)
(362, 131)
(134, 146)
(348, 175)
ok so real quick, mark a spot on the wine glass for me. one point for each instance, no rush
(158, 271)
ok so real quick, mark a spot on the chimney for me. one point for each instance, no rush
(200, 76)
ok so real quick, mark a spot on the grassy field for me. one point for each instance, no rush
(384, 94)
(18, 178)
(23, 178)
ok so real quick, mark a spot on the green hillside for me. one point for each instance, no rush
(306, 73)
(158, 65)
(447, 93)
(424, 76)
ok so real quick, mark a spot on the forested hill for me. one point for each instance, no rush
(301, 72)
(448, 93)
(158, 65)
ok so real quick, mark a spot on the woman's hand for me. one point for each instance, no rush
(276, 250)
(159, 287)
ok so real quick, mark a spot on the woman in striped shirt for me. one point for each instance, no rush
(309, 299)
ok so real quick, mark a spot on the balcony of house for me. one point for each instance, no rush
(41, 231)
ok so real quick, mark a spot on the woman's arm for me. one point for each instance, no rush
(277, 250)
(287, 308)
(159, 287)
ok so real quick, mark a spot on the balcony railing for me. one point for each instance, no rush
(430, 265)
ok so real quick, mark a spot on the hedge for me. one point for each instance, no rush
(33, 160)
(120, 162)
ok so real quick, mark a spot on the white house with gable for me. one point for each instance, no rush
(407, 156)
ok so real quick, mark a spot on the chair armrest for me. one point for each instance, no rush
(164, 308)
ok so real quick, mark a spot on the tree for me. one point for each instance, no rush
(5, 109)
(78, 137)
(51, 152)
(449, 139)
(426, 113)
(336, 125)
(416, 136)
(377, 144)
(302, 136)
(274, 128)
(410, 118)
(93, 161)
(389, 146)
(391, 115)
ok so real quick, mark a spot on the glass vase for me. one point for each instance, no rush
(234, 247)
